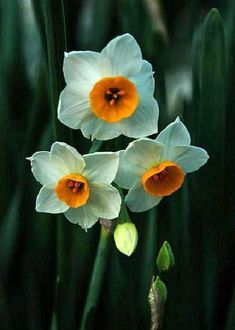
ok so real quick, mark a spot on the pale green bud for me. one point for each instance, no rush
(126, 237)
(165, 258)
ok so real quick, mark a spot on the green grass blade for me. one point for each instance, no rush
(211, 135)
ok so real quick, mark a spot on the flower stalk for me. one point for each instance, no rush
(97, 277)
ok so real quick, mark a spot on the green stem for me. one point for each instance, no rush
(123, 215)
(96, 145)
(96, 279)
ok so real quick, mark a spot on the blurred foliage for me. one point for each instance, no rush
(45, 262)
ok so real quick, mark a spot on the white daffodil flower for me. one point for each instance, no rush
(152, 169)
(78, 186)
(109, 93)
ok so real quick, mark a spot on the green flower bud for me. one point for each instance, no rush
(161, 289)
(165, 258)
(126, 237)
(157, 298)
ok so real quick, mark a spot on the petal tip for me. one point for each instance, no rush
(177, 120)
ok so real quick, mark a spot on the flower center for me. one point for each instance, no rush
(75, 186)
(113, 99)
(113, 95)
(73, 189)
(163, 179)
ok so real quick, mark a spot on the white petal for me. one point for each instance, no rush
(48, 202)
(124, 55)
(144, 121)
(82, 216)
(144, 80)
(190, 158)
(141, 155)
(82, 68)
(174, 134)
(101, 166)
(74, 107)
(43, 169)
(125, 178)
(138, 200)
(66, 158)
(105, 200)
(98, 129)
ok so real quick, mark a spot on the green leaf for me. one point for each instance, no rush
(211, 125)
(96, 280)
(210, 204)
(9, 232)
(53, 16)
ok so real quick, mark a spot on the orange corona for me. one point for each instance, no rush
(163, 179)
(73, 189)
(113, 99)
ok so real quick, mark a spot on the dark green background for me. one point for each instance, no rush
(193, 55)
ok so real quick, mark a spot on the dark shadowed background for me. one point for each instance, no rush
(192, 49)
